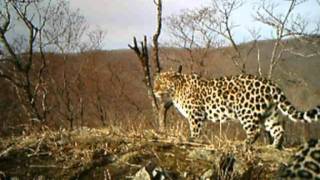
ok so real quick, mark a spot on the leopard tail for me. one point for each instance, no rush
(295, 115)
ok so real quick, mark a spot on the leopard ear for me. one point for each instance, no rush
(174, 74)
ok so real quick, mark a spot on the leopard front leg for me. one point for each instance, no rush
(195, 124)
(195, 128)
(252, 128)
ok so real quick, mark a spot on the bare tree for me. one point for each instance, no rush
(96, 38)
(189, 33)
(209, 27)
(70, 98)
(21, 66)
(106, 99)
(286, 25)
(216, 20)
(223, 26)
(68, 33)
(65, 29)
(49, 27)
(97, 98)
(100, 106)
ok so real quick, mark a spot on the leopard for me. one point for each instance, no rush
(255, 101)
(304, 164)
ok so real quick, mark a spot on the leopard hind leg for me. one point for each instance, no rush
(274, 127)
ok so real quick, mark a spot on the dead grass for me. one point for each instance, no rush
(119, 153)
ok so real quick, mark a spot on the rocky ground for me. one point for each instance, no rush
(113, 154)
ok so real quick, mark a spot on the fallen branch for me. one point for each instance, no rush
(40, 154)
(36, 151)
(134, 165)
(195, 144)
(6, 152)
(42, 166)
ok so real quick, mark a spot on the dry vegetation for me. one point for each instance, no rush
(111, 153)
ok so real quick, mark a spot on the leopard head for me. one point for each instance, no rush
(165, 84)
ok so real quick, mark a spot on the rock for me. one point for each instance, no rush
(158, 174)
(142, 174)
(150, 172)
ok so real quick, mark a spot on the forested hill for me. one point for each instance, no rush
(113, 81)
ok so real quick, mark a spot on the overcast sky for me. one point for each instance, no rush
(123, 19)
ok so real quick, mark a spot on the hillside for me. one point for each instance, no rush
(116, 79)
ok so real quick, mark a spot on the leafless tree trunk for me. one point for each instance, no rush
(159, 107)
(163, 106)
(143, 57)
(155, 49)
(101, 109)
